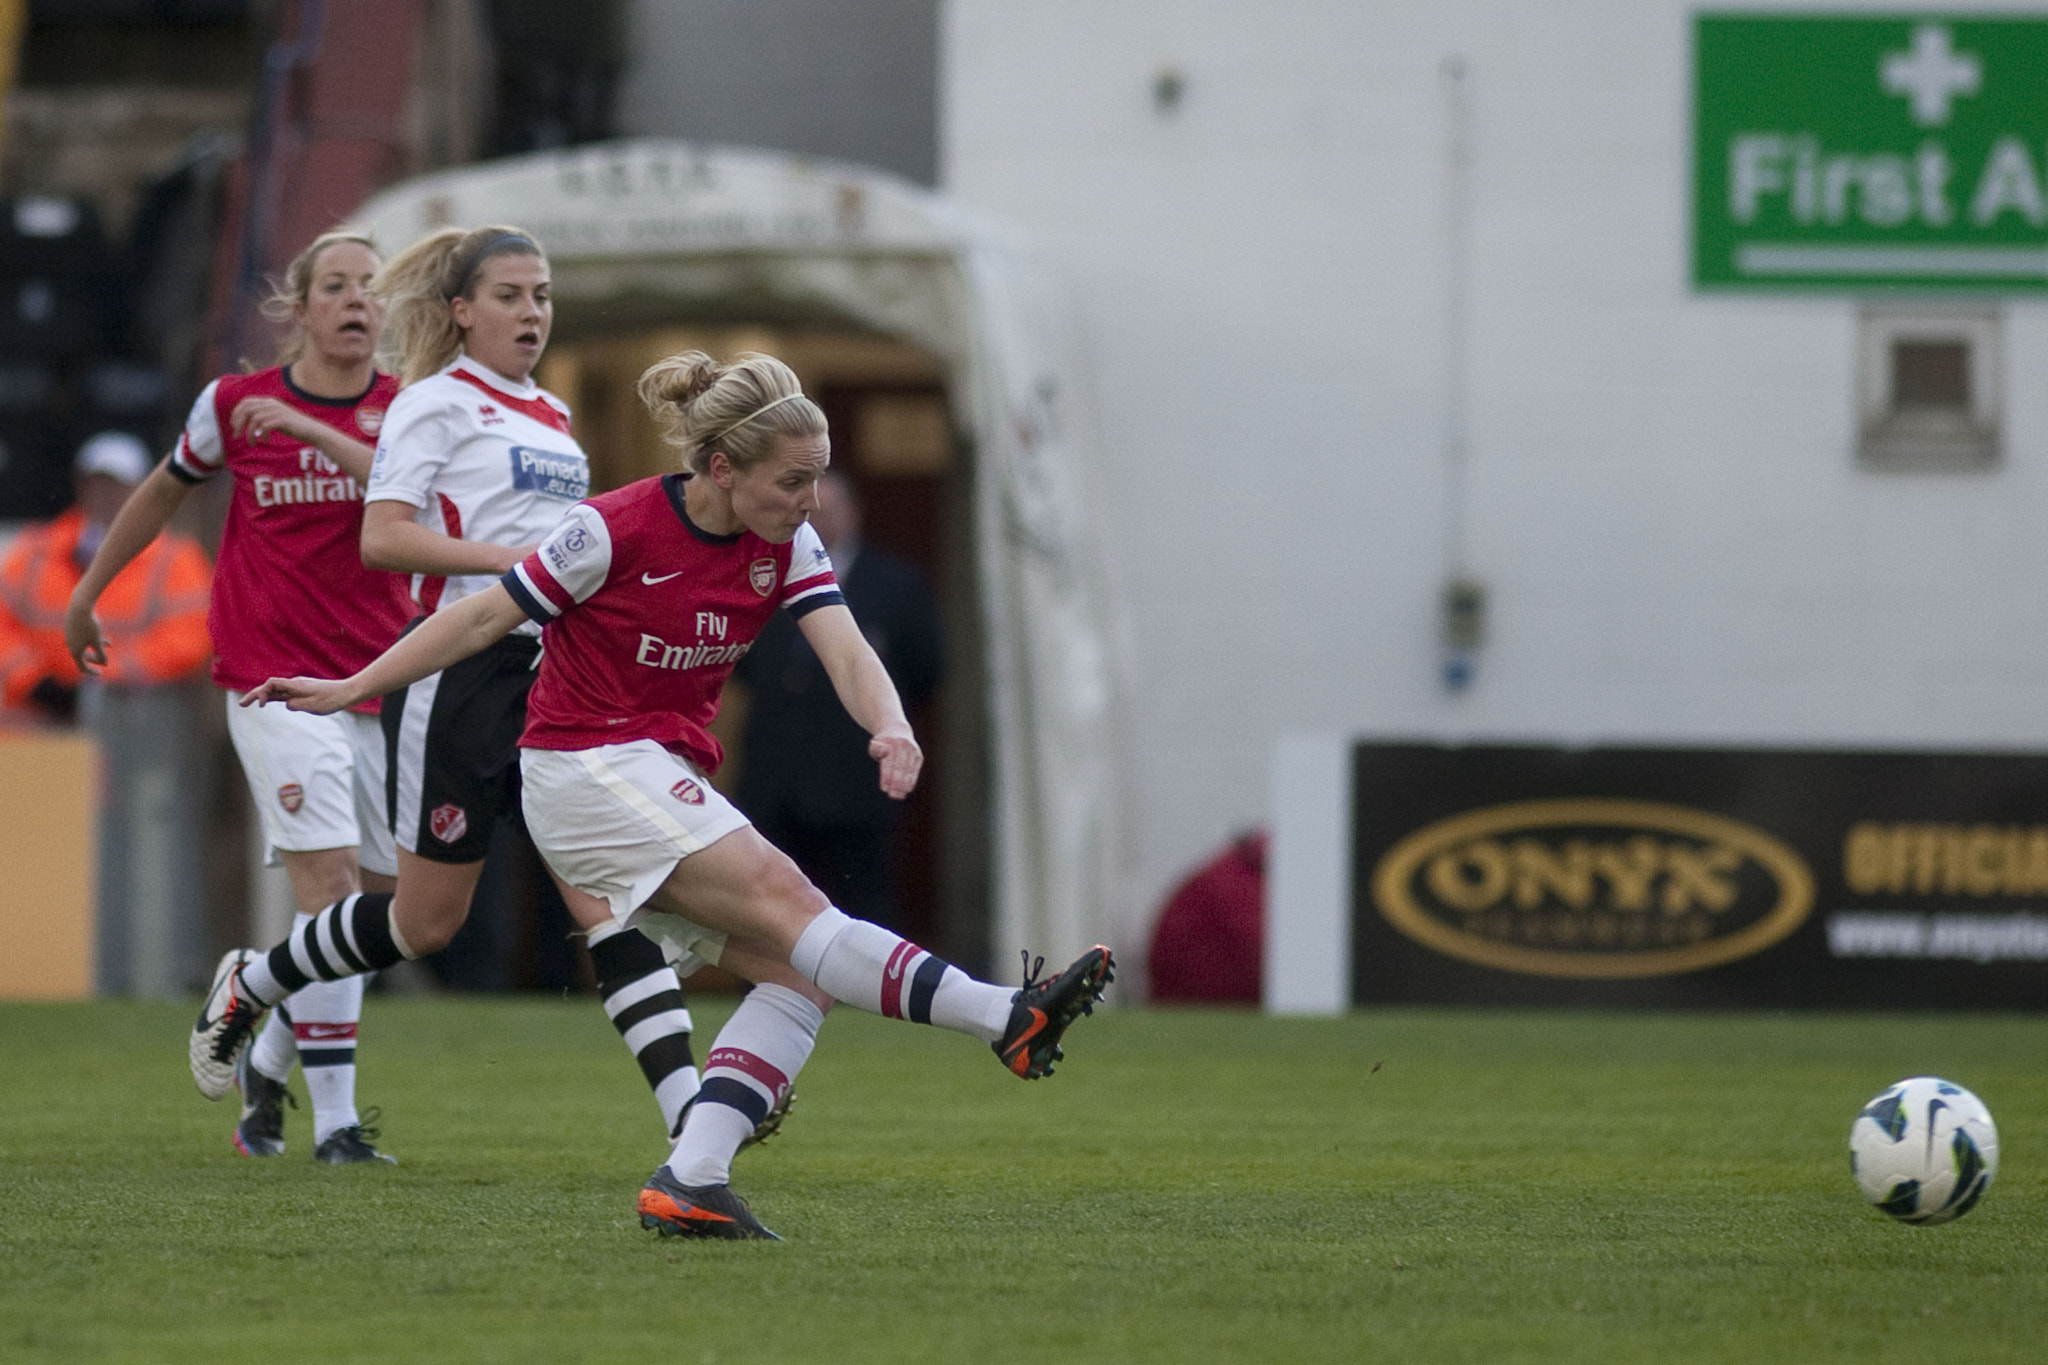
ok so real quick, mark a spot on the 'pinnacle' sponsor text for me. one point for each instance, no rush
(550, 474)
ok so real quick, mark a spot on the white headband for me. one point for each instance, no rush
(766, 408)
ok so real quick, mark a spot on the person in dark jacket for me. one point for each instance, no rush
(806, 780)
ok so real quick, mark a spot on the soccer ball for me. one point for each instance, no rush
(1924, 1151)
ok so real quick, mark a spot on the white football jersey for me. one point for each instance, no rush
(482, 458)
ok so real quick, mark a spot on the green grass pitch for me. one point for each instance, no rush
(1191, 1186)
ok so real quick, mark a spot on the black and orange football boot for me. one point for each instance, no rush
(677, 1210)
(1044, 1009)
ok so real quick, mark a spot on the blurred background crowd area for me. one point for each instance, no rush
(160, 156)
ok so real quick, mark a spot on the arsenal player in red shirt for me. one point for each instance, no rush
(290, 591)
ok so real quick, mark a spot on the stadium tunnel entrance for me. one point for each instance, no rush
(957, 409)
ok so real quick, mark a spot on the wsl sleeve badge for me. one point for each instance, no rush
(1924, 1151)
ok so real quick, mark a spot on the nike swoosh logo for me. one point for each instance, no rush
(650, 580)
(1934, 1106)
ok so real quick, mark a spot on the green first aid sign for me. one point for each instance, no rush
(1856, 152)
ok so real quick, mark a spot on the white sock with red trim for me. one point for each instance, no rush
(752, 1062)
(324, 1019)
(870, 968)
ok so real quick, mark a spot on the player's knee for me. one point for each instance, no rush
(784, 899)
(427, 926)
(791, 892)
(321, 877)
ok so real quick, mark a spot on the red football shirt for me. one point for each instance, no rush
(645, 613)
(290, 593)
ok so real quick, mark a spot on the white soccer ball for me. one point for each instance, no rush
(1924, 1151)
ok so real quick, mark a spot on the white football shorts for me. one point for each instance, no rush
(318, 781)
(615, 820)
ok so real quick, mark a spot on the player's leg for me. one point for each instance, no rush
(368, 931)
(640, 827)
(744, 886)
(641, 990)
(302, 774)
(325, 1015)
(323, 1018)
(751, 1066)
(643, 997)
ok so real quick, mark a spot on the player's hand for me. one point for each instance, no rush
(321, 696)
(255, 418)
(901, 759)
(82, 637)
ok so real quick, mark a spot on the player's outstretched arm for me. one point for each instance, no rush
(447, 637)
(255, 416)
(140, 520)
(867, 694)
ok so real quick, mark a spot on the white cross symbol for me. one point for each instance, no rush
(1932, 74)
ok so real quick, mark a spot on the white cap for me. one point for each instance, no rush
(117, 455)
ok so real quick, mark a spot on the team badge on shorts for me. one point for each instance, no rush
(291, 796)
(687, 792)
(448, 823)
(761, 573)
(370, 420)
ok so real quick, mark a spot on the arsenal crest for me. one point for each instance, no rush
(687, 792)
(291, 796)
(448, 823)
(370, 420)
(761, 573)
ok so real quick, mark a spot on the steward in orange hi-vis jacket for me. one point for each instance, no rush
(154, 612)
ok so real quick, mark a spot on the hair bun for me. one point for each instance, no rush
(679, 381)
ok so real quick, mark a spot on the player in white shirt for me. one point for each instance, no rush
(650, 594)
(474, 465)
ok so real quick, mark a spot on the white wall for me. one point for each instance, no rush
(852, 79)
(1662, 495)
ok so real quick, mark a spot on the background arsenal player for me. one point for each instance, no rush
(291, 591)
(474, 465)
(649, 595)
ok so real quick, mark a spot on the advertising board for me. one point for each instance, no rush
(1699, 877)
